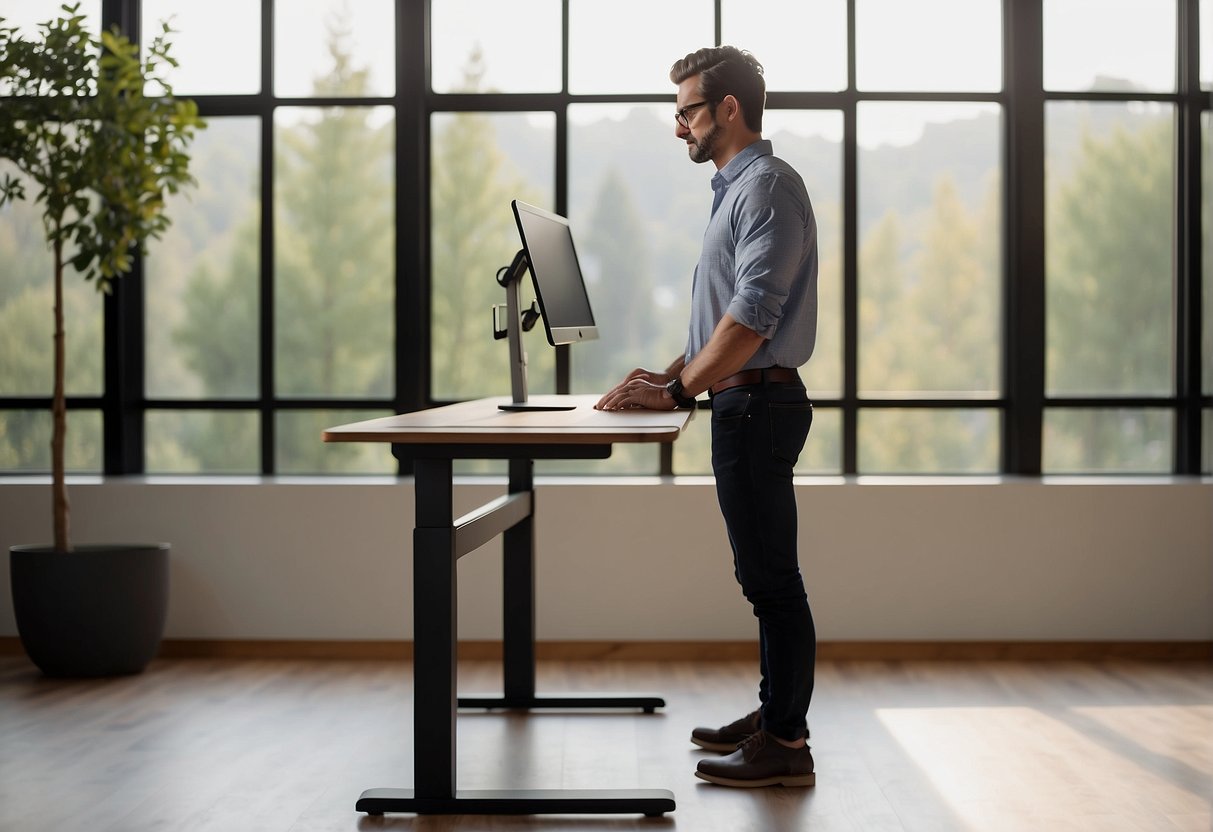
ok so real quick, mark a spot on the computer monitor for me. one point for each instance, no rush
(559, 286)
(549, 255)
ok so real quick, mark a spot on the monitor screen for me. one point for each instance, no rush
(557, 274)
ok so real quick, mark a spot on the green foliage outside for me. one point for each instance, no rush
(615, 244)
(1110, 265)
(472, 236)
(1109, 295)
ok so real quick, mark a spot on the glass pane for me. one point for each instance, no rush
(334, 251)
(928, 441)
(1109, 45)
(202, 442)
(480, 468)
(930, 235)
(822, 452)
(1109, 248)
(25, 441)
(626, 459)
(298, 448)
(201, 295)
(928, 45)
(693, 450)
(638, 208)
(802, 46)
(26, 15)
(1206, 45)
(198, 27)
(490, 46)
(473, 234)
(1206, 127)
(598, 31)
(27, 302)
(334, 48)
(811, 141)
(1206, 444)
(27, 269)
(1084, 441)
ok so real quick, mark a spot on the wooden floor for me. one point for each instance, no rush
(197, 744)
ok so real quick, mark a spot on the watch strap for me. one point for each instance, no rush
(675, 389)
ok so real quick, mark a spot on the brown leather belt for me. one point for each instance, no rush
(779, 375)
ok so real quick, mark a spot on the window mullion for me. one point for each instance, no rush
(1024, 240)
(1188, 243)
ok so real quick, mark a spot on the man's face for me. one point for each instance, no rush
(702, 133)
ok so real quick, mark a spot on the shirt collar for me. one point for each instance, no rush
(727, 174)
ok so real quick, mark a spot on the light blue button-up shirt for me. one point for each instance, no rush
(759, 260)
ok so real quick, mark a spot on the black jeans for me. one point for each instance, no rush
(758, 432)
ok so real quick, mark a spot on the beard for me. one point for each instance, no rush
(701, 149)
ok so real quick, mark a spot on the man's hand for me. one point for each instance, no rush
(642, 388)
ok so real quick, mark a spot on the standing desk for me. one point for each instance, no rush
(480, 430)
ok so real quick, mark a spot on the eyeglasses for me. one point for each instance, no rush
(681, 115)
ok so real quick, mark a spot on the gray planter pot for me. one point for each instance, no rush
(96, 611)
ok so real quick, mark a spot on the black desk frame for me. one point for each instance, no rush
(438, 542)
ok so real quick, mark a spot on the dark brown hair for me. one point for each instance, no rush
(726, 70)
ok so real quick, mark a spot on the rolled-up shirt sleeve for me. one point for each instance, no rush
(770, 227)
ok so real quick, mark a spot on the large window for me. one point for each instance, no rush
(1013, 228)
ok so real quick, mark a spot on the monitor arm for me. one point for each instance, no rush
(518, 320)
(510, 277)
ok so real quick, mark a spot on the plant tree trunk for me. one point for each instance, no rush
(59, 417)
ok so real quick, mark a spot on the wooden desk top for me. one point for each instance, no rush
(480, 422)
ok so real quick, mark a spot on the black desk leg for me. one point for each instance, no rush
(518, 578)
(518, 549)
(435, 612)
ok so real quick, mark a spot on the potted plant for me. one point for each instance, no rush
(78, 125)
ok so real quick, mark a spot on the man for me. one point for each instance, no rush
(753, 321)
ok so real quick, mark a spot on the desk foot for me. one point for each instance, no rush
(647, 802)
(645, 701)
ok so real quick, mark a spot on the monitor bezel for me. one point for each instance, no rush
(557, 335)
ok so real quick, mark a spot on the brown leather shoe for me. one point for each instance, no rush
(760, 761)
(728, 737)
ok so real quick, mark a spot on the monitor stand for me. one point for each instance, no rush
(510, 281)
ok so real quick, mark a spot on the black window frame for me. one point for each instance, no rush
(1023, 100)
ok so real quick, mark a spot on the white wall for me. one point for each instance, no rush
(647, 560)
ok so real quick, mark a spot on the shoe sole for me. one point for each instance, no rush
(799, 780)
(716, 746)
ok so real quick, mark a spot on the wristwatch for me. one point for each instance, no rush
(674, 388)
